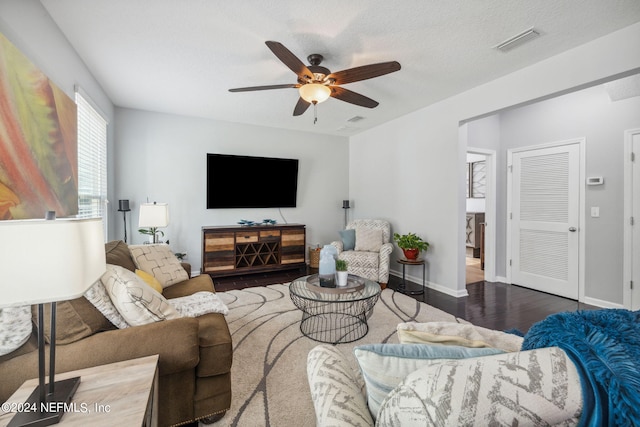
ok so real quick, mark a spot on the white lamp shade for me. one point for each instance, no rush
(153, 215)
(314, 92)
(49, 260)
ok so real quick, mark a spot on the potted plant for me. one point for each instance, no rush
(152, 232)
(411, 245)
(341, 272)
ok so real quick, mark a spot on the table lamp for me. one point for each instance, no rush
(48, 261)
(153, 215)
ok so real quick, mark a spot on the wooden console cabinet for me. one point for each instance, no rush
(233, 250)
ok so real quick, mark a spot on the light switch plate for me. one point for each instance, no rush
(595, 212)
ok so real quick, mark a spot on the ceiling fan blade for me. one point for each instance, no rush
(301, 107)
(352, 97)
(289, 59)
(252, 88)
(364, 72)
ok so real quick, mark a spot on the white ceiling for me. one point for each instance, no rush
(181, 57)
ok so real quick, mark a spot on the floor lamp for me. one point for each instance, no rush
(49, 261)
(345, 206)
(123, 206)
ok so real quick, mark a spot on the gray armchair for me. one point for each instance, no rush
(371, 263)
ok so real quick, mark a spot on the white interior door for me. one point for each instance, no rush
(545, 204)
(635, 234)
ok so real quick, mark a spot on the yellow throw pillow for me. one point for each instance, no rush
(150, 280)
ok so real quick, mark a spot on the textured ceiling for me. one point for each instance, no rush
(181, 57)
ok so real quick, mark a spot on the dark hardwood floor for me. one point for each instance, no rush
(491, 305)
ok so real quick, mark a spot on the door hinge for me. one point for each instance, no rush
(511, 167)
(510, 263)
(633, 156)
(632, 221)
(510, 215)
(631, 284)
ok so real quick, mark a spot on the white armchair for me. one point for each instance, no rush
(370, 256)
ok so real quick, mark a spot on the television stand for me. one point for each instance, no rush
(235, 250)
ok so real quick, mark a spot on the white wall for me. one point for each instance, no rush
(163, 157)
(591, 114)
(424, 190)
(30, 28)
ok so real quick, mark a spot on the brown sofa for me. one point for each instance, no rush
(195, 353)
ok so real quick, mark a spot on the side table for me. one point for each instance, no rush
(118, 394)
(402, 288)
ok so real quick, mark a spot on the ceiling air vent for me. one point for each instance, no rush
(355, 119)
(517, 40)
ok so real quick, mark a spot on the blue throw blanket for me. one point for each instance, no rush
(605, 347)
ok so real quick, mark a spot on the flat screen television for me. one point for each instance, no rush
(251, 182)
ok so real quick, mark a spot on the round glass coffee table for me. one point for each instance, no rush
(334, 315)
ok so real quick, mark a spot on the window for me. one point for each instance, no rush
(92, 161)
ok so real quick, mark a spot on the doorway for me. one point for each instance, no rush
(545, 205)
(631, 275)
(480, 233)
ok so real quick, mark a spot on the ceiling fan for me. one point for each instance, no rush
(317, 83)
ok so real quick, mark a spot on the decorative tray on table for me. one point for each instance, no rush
(354, 284)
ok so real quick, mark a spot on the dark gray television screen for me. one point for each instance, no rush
(251, 182)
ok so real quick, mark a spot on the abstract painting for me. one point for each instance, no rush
(38, 141)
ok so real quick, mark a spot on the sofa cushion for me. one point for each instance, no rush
(149, 280)
(384, 366)
(117, 253)
(452, 333)
(363, 264)
(537, 387)
(98, 296)
(368, 239)
(160, 262)
(336, 395)
(75, 319)
(15, 328)
(136, 301)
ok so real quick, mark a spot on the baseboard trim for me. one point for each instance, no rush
(431, 285)
(587, 300)
(601, 303)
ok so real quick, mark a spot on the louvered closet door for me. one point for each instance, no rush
(545, 203)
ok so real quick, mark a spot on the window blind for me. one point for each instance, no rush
(92, 161)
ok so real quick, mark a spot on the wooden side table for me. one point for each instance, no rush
(118, 394)
(402, 288)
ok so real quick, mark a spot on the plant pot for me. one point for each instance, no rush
(342, 278)
(411, 254)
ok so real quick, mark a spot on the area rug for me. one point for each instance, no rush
(269, 378)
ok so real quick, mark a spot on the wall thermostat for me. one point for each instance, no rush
(595, 180)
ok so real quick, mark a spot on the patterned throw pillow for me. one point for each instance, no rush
(160, 262)
(336, 395)
(537, 387)
(200, 303)
(384, 366)
(98, 296)
(368, 239)
(15, 328)
(136, 301)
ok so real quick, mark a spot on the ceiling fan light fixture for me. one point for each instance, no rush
(314, 93)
